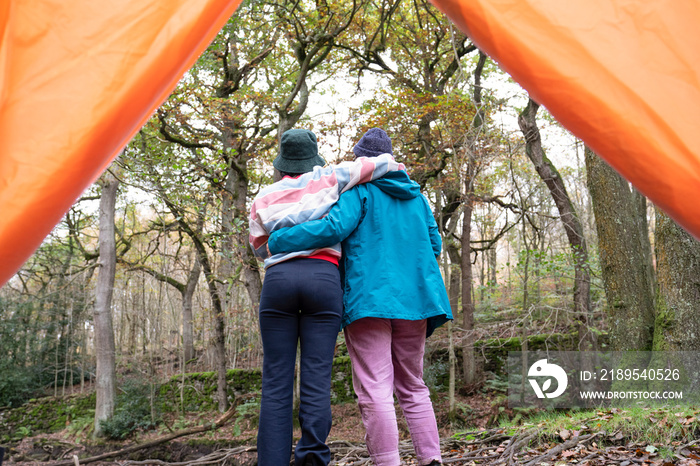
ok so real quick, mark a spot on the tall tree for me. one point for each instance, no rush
(677, 324)
(203, 257)
(424, 107)
(105, 372)
(625, 256)
(188, 212)
(527, 120)
(475, 140)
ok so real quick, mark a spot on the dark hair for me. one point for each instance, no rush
(293, 175)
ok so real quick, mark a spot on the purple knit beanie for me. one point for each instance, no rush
(375, 142)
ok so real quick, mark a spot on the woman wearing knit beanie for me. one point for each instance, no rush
(374, 142)
(394, 297)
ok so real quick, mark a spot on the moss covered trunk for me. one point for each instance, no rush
(677, 325)
(624, 261)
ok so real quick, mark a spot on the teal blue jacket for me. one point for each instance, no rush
(390, 243)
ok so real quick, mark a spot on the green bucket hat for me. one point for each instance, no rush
(298, 152)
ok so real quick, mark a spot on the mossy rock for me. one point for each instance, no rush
(492, 353)
(42, 415)
(341, 381)
(199, 388)
(495, 350)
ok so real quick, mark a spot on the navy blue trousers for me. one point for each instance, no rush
(301, 302)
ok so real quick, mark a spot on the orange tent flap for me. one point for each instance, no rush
(78, 78)
(622, 75)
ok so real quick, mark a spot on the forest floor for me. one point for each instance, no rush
(485, 432)
(476, 440)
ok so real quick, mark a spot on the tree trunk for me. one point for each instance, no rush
(482, 266)
(187, 325)
(643, 226)
(226, 246)
(452, 360)
(452, 278)
(572, 225)
(219, 331)
(450, 256)
(493, 267)
(677, 325)
(526, 264)
(235, 245)
(625, 257)
(468, 360)
(105, 374)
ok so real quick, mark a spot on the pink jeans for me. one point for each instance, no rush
(387, 358)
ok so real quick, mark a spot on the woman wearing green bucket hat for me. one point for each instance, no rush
(301, 302)
(298, 152)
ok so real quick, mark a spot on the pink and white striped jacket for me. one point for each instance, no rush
(309, 197)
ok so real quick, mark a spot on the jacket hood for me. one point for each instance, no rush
(397, 184)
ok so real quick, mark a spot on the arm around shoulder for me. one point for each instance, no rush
(341, 220)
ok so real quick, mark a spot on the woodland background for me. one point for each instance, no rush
(150, 274)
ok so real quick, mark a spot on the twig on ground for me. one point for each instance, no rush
(217, 457)
(552, 452)
(679, 450)
(515, 444)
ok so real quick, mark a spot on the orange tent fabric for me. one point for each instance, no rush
(78, 78)
(622, 75)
